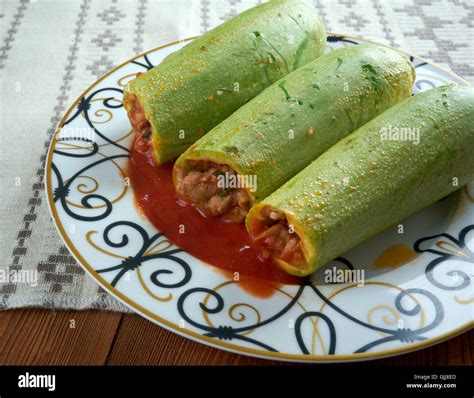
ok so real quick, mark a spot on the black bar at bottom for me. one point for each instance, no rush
(316, 380)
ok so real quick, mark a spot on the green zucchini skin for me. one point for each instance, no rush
(366, 182)
(203, 83)
(296, 119)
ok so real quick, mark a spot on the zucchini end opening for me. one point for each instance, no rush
(276, 239)
(136, 115)
(208, 186)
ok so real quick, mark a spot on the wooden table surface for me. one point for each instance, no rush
(45, 337)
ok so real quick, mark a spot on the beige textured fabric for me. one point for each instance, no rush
(52, 50)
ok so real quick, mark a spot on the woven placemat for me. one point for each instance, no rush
(51, 51)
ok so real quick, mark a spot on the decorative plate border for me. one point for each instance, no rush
(156, 247)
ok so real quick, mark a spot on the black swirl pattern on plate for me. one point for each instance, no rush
(227, 332)
(140, 257)
(442, 257)
(62, 191)
(146, 63)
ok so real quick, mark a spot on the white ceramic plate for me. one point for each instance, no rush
(421, 299)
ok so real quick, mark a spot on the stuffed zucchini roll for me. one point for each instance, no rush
(292, 122)
(194, 89)
(405, 159)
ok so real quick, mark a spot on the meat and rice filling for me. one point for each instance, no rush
(136, 115)
(274, 238)
(201, 186)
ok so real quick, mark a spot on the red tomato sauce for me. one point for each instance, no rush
(224, 245)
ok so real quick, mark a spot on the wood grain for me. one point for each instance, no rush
(45, 337)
